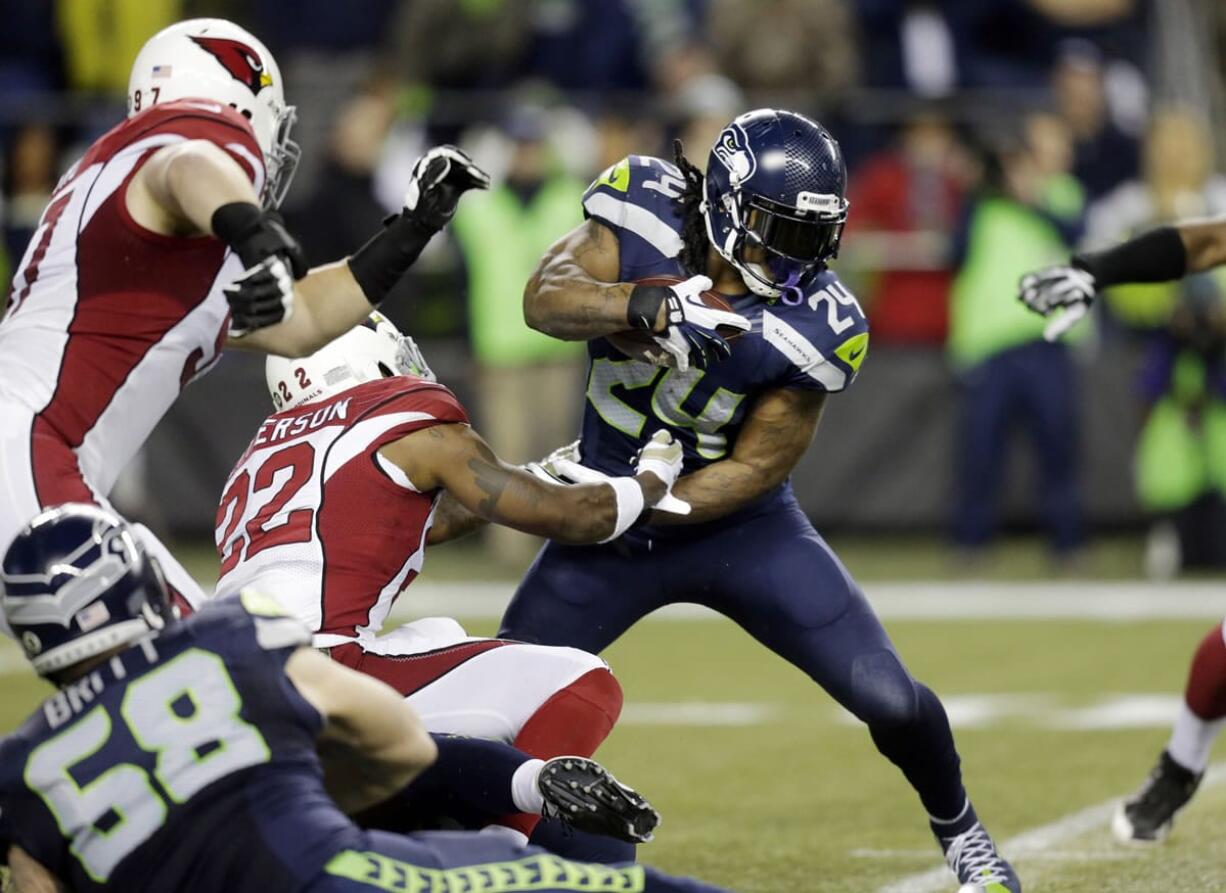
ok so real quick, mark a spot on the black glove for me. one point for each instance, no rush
(438, 180)
(264, 294)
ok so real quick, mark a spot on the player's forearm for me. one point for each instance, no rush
(1205, 244)
(328, 302)
(565, 302)
(720, 489)
(452, 521)
(29, 875)
(358, 779)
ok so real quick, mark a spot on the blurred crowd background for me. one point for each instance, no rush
(983, 137)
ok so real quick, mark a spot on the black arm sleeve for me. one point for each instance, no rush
(1156, 256)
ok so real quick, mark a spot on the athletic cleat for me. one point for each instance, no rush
(1147, 816)
(973, 858)
(583, 794)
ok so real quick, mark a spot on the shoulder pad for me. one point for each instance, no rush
(825, 337)
(639, 194)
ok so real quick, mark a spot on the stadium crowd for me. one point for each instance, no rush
(984, 138)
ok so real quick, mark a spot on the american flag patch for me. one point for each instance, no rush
(161, 71)
(93, 616)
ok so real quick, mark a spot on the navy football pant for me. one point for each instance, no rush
(773, 575)
(450, 861)
(1028, 386)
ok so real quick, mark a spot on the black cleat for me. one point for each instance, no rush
(1147, 816)
(584, 795)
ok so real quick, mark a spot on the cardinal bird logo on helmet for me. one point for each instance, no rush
(240, 60)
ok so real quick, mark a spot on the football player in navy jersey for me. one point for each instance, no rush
(759, 227)
(220, 753)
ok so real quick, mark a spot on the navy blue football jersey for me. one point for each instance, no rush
(187, 762)
(815, 343)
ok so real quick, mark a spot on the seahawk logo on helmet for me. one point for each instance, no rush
(370, 351)
(732, 150)
(774, 200)
(75, 583)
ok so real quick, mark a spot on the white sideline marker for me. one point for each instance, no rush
(1037, 841)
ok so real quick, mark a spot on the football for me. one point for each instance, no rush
(639, 345)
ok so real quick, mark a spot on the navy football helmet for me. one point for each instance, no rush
(775, 188)
(75, 583)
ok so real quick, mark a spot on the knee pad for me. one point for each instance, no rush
(883, 693)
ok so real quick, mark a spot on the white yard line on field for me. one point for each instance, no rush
(698, 713)
(1118, 602)
(1037, 841)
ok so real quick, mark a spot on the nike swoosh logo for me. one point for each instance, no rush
(854, 354)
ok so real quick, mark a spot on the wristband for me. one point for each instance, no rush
(378, 265)
(1156, 256)
(235, 221)
(644, 306)
(630, 504)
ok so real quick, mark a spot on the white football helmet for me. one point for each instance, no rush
(215, 59)
(375, 349)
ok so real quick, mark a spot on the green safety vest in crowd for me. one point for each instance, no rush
(1177, 460)
(503, 240)
(1006, 240)
(102, 37)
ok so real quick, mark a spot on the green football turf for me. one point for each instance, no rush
(801, 801)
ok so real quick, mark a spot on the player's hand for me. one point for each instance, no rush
(663, 457)
(415, 360)
(1050, 289)
(548, 470)
(264, 294)
(438, 180)
(690, 334)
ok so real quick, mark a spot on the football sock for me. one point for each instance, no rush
(952, 826)
(575, 720)
(924, 750)
(524, 788)
(1203, 713)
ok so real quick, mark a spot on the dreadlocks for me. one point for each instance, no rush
(694, 241)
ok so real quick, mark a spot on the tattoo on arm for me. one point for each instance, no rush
(493, 482)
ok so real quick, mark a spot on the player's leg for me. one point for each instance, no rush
(793, 594)
(1046, 375)
(584, 596)
(480, 863)
(547, 701)
(1148, 814)
(475, 783)
(185, 592)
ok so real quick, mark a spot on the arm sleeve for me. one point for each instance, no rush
(217, 124)
(606, 199)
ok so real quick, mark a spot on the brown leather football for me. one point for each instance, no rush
(640, 345)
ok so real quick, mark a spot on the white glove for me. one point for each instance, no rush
(663, 457)
(1050, 289)
(691, 332)
(1065, 286)
(547, 469)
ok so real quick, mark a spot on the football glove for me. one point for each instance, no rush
(663, 457)
(436, 183)
(547, 468)
(1052, 288)
(264, 294)
(690, 335)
